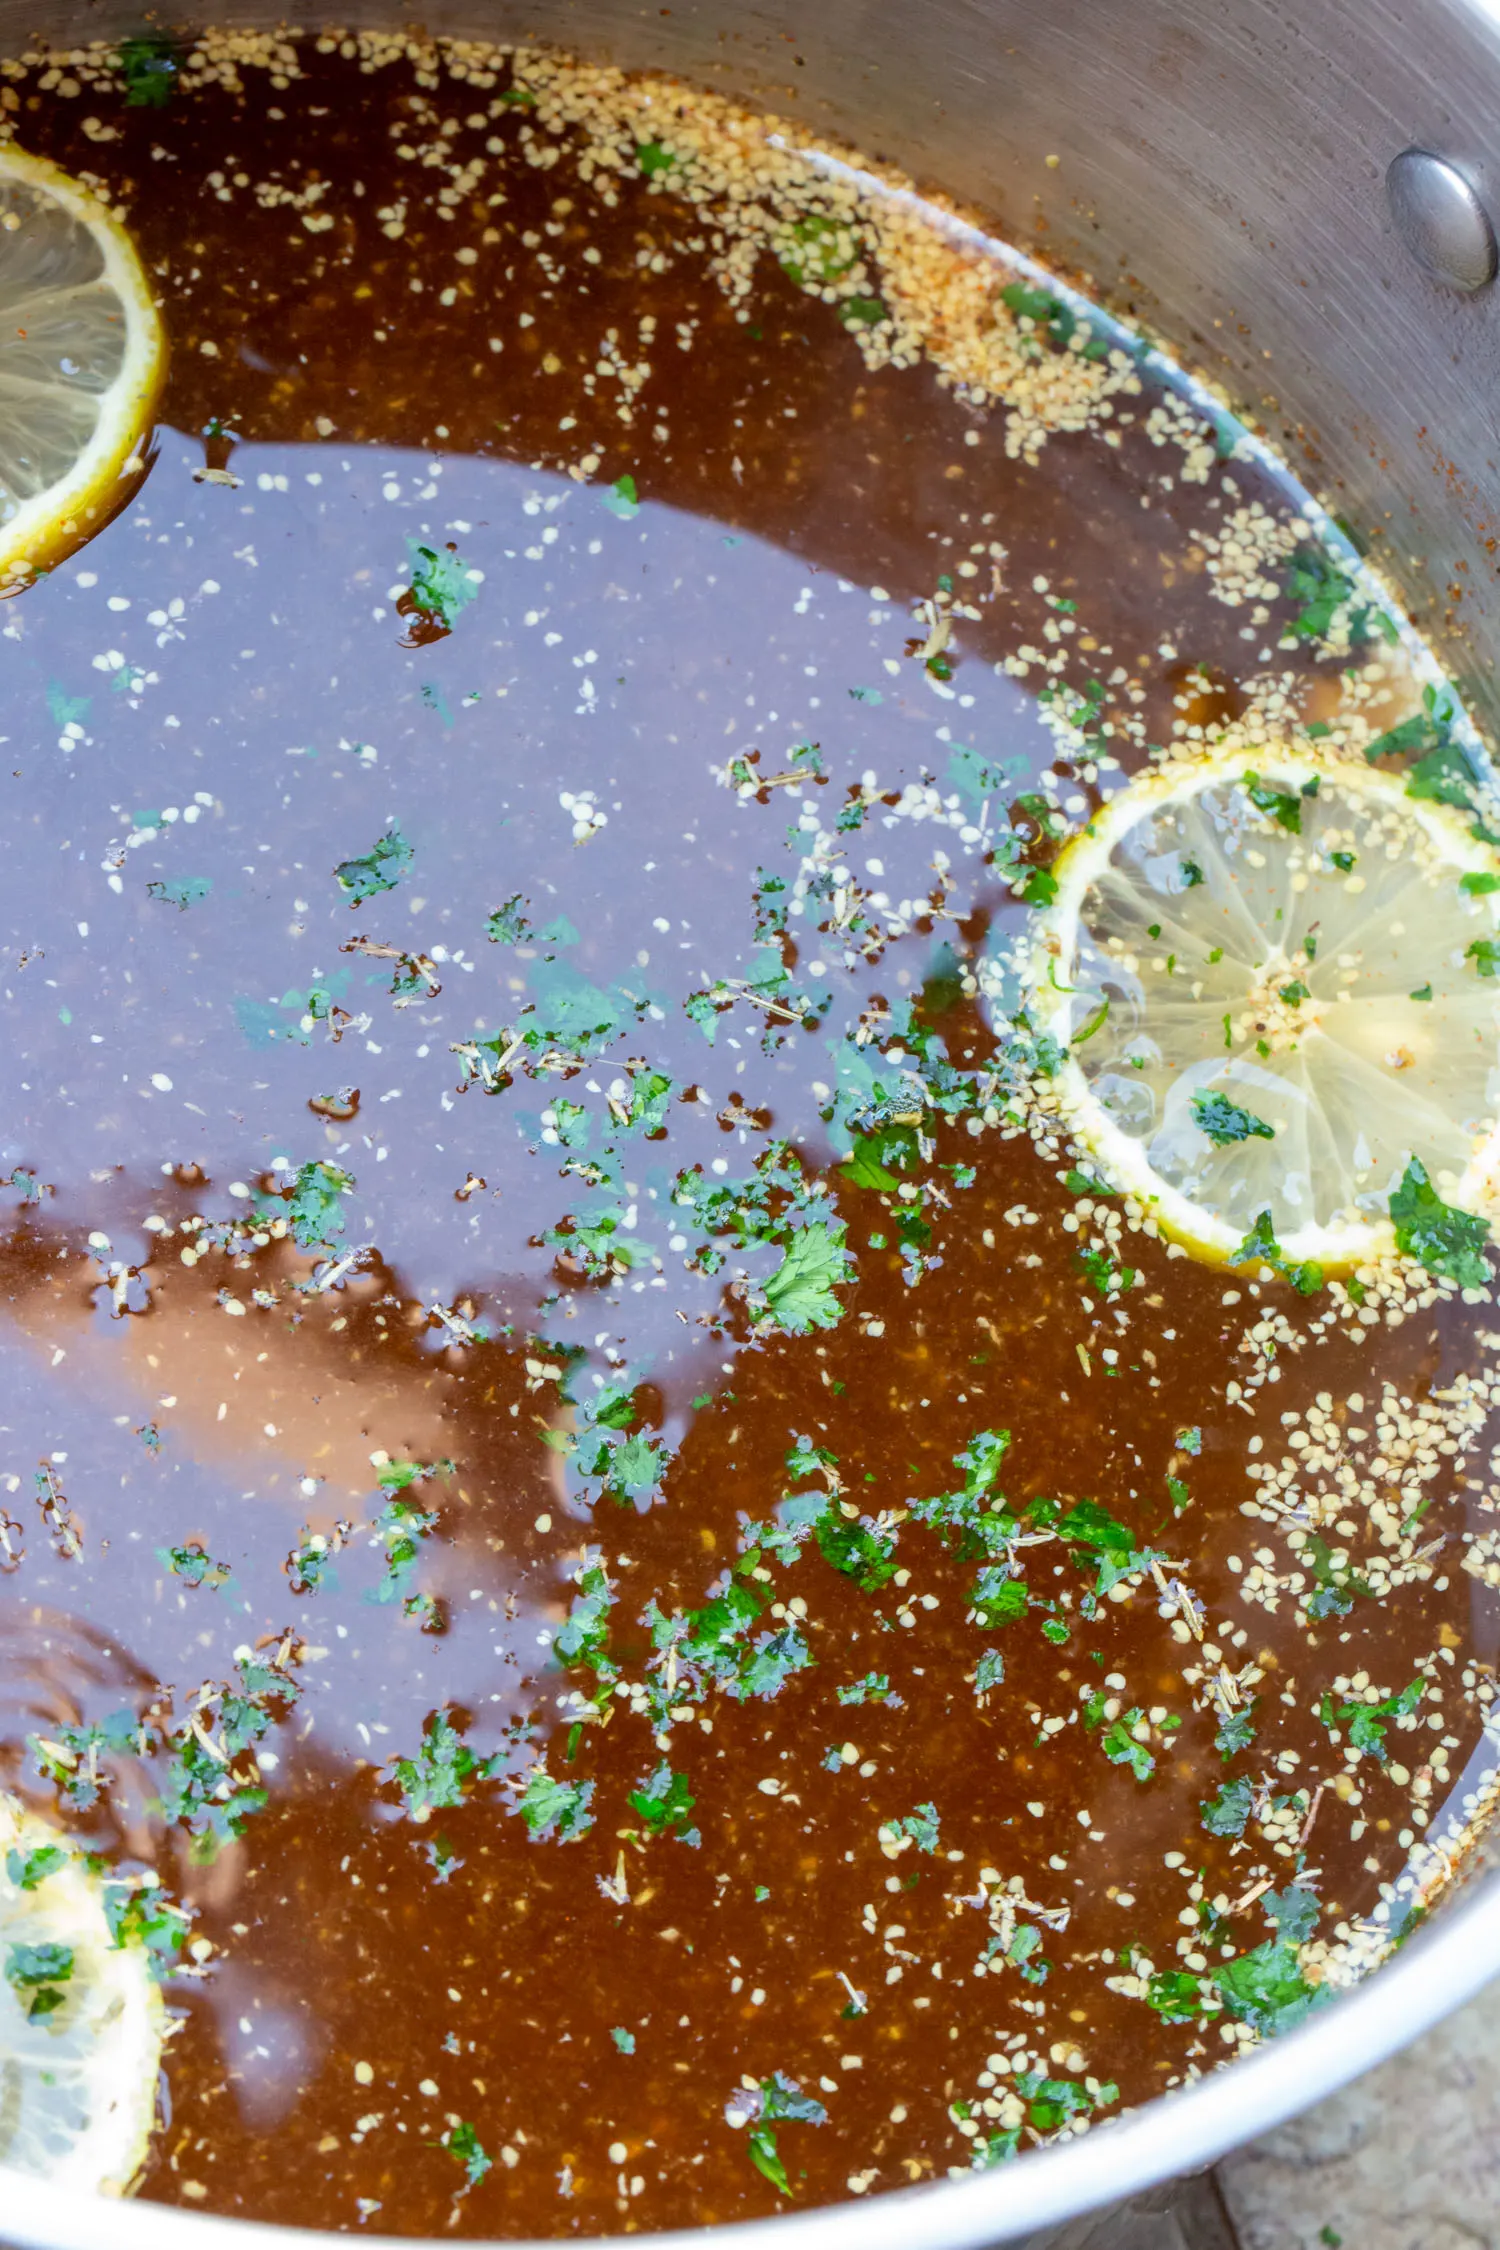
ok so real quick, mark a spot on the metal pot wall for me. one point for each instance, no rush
(1220, 176)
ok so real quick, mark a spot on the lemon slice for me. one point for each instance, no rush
(1275, 988)
(81, 2019)
(81, 358)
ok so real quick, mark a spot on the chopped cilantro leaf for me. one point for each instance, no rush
(862, 1551)
(554, 1808)
(1088, 1525)
(1084, 1183)
(1315, 580)
(1365, 1723)
(313, 1210)
(820, 249)
(921, 1826)
(1236, 1731)
(997, 1597)
(138, 1913)
(149, 67)
(381, 868)
(35, 1973)
(868, 1164)
(1336, 1587)
(1281, 805)
(441, 587)
(1266, 1988)
(1445, 1240)
(193, 1565)
(771, 1664)
(583, 1639)
(508, 924)
(781, 2101)
(1176, 1996)
(622, 499)
(1261, 1246)
(1120, 1746)
(437, 1775)
(799, 1295)
(663, 1800)
(465, 2147)
(28, 1869)
(1227, 1813)
(1105, 1277)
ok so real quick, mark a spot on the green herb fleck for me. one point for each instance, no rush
(554, 1808)
(149, 67)
(464, 2146)
(622, 499)
(1282, 805)
(190, 890)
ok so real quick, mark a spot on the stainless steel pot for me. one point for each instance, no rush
(1221, 177)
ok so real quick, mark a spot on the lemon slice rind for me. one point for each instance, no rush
(1054, 1004)
(79, 2083)
(83, 282)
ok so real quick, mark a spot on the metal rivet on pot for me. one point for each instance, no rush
(1441, 220)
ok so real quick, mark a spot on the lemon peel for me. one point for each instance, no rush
(81, 2019)
(1276, 979)
(82, 353)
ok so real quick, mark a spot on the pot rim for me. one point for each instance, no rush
(1445, 1964)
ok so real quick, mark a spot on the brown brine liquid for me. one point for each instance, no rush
(532, 1261)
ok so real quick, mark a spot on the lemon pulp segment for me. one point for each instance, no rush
(1275, 988)
(79, 2053)
(81, 357)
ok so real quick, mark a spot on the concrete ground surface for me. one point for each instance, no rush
(1407, 2158)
